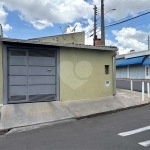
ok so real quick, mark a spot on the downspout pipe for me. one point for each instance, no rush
(114, 74)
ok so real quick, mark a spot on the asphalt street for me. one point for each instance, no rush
(98, 133)
(137, 85)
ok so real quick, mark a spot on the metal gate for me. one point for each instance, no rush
(137, 72)
(121, 72)
(31, 75)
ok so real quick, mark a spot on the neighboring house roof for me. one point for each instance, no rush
(133, 54)
(131, 61)
(107, 48)
(133, 58)
(57, 35)
(137, 54)
(120, 56)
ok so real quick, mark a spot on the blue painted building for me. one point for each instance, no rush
(135, 65)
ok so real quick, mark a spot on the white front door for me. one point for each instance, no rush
(147, 75)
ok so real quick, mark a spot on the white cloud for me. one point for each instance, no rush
(121, 49)
(130, 38)
(44, 13)
(6, 27)
(132, 33)
(3, 16)
(41, 24)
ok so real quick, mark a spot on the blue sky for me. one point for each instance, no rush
(39, 18)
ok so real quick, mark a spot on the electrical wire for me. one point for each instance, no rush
(123, 20)
(126, 20)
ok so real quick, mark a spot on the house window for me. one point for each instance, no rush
(106, 69)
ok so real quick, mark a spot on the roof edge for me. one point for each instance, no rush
(56, 35)
(107, 48)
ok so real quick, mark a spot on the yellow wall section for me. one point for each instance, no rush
(1, 75)
(75, 67)
(76, 38)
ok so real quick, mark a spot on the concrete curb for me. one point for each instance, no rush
(34, 127)
(112, 111)
(37, 126)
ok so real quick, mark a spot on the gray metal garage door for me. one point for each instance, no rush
(121, 72)
(32, 75)
(137, 72)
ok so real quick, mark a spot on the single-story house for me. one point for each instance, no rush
(134, 65)
(33, 71)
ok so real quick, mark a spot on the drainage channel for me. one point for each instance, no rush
(3, 132)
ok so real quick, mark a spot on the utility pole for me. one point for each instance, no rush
(95, 13)
(102, 23)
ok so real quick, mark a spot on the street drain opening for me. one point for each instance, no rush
(3, 132)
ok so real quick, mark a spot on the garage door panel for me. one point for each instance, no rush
(32, 75)
(141, 72)
(137, 72)
(121, 72)
(36, 80)
(133, 72)
(47, 71)
(18, 90)
(117, 73)
(18, 80)
(41, 89)
(42, 53)
(42, 97)
(18, 70)
(41, 61)
(18, 98)
(18, 60)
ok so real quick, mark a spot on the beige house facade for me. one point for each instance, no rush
(33, 71)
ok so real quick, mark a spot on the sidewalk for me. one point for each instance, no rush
(123, 99)
(20, 115)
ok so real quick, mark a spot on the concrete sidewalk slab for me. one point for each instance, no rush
(27, 114)
(123, 99)
(93, 106)
(18, 115)
(131, 98)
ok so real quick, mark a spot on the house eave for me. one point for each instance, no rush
(106, 48)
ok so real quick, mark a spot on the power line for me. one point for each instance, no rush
(108, 26)
(126, 20)
(117, 23)
(135, 10)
